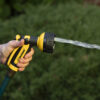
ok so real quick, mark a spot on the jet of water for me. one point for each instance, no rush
(77, 43)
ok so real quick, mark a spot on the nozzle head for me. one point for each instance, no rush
(45, 42)
(48, 43)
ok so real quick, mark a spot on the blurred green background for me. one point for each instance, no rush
(71, 72)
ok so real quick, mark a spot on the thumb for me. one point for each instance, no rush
(15, 43)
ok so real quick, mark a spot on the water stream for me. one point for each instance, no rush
(77, 43)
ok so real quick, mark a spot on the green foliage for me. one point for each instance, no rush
(9, 8)
(70, 73)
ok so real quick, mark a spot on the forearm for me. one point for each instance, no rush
(1, 54)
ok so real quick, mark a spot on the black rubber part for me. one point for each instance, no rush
(48, 43)
(32, 41)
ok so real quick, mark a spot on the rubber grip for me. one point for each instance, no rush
(15, 55)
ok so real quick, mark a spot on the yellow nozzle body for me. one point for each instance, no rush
(40, 41)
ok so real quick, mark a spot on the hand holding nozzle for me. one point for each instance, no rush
(7, 48)
(45, 42)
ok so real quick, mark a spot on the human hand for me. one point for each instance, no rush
(7, 48)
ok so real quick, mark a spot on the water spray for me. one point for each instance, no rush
(77, 43)
(45, 42)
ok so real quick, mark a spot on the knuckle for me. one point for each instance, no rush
(10, 42)
(23, 66)
(20, 65)
(30, 58)
(21, 69)
(27, 64)
(25, 61)
(33, 51)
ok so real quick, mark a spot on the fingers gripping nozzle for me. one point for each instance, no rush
(45, 42)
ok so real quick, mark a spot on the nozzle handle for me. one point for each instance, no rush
(18, 53)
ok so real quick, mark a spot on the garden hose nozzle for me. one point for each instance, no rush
(45, 42)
